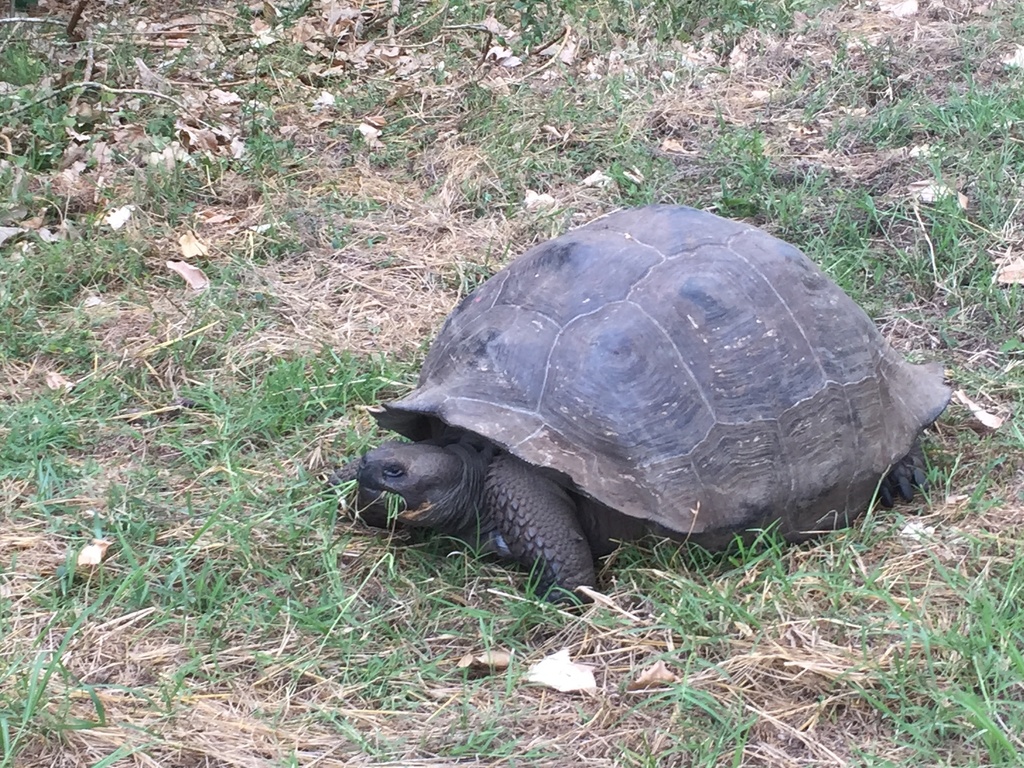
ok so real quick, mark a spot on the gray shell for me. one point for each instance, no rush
(680, 368)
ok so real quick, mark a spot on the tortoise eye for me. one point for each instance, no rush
(393, 471)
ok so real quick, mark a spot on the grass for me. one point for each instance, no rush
(240, 618)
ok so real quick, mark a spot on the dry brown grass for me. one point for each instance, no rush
(800, 679)
(283, 692)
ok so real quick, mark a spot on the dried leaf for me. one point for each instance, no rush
(503, 56)
(169, 156)
(930, 190)
(901, 9)
(984, 418)
(534, 200)
(654, 676)
(341, 18)
(564, 49)
(323, 101)
(225, 98)
(34, 222)
(916, 532)
(148, 78)
(1013, 272)
(270, 13)
(191, 246)
(213, 217)
(93, 554)
(487, 662)
(55, 381)
(635, 175)
(101, 155)
(194, 139)
(118, 217)
(672, 146)
(262, 35)
(597, 179)
(194, 276)
(558, 672)
(6, 233)
(494, 26)
(1016, 59)
(371, 135)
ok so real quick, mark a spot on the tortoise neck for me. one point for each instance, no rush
(464, 501)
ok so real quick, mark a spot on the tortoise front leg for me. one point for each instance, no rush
(537, 521)
(905, 476)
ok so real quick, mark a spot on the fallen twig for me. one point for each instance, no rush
(32, 20)
(108, 89)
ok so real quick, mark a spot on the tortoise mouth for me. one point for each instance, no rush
(387, 502)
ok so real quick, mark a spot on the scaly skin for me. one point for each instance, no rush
(903, 478)
(537, 521)
(510, 508)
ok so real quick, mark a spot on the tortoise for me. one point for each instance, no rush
(660, 370)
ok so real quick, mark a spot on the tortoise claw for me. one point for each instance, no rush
(885, 494)
(906, 476)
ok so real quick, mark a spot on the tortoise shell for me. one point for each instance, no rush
(679, 368)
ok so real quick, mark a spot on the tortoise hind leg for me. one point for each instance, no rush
(906, 475)
(537, 523)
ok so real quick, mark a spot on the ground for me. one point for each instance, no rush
(228, 230)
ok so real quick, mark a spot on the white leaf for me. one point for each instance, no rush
(118, 217)
(1016, 59)
(93, 554)
(930, 190)
(558, 672)
(597, 179)
(916, 532)
(503, 56)
(371, 135)
(535, 200)
(323, 101)
(6, 233)
(225, 98)
(901, 9)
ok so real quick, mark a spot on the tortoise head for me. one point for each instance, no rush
(438, 485)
